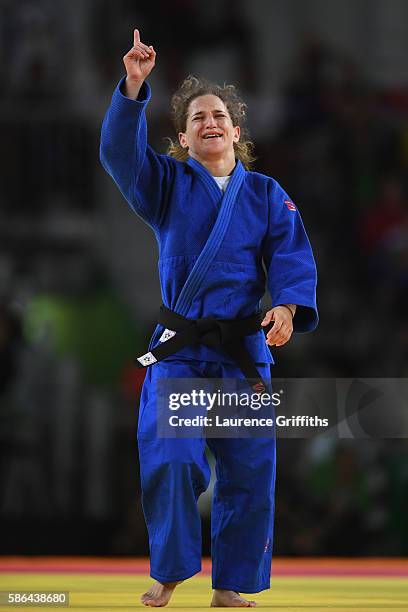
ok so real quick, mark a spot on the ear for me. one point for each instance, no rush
(237, 133)
(183, 140)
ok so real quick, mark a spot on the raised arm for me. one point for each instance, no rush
(142, 176)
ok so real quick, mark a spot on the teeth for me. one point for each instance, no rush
(213, 136)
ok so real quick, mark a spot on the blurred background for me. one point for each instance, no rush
(327, 90)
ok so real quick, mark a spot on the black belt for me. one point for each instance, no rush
(227, 334)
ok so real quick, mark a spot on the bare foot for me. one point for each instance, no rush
(230, 599)
(159, 594)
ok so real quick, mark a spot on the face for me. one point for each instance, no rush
(209, 133)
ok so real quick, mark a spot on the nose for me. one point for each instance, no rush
(210, 121)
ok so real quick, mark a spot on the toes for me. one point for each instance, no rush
(155, 602)
(241, 602)
(244, 603)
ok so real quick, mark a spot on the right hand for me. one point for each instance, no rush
(139, 61)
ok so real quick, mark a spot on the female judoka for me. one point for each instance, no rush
(218, 226)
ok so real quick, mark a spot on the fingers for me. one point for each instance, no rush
(144, 48)
(274, 334)
(139, 49)
(136, 54)
(282, 338)
(280, 335)
(282, 328)
(268, 318)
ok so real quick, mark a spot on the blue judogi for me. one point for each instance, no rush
(175, 471)
(256, 222)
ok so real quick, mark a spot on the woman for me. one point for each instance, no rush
(215, 222)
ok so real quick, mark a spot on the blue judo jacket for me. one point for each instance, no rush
(180, 201)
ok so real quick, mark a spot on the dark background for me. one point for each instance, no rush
(326, 87)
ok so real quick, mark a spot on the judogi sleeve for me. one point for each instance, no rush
(289, 260)
(142, 176)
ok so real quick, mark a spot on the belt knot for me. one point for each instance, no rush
(212, 328)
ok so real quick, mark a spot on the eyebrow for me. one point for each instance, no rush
(202, 112)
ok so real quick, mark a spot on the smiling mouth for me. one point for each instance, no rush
(212, 136)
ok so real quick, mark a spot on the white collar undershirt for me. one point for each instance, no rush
(222, 181)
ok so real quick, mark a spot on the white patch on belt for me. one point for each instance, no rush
(147, 359)
(166, 335)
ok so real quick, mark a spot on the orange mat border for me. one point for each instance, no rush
(281, 566)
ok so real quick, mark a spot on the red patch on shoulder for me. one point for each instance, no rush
(290, 205)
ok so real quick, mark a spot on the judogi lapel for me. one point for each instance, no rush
(226, 204)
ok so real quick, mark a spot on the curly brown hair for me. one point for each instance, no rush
(193, 87)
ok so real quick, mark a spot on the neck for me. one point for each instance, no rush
(217, 167)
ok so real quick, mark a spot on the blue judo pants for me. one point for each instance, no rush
(174, 473)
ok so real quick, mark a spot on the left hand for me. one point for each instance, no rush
(282, 328)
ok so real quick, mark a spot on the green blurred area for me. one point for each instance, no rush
(96, 330)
